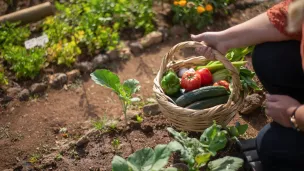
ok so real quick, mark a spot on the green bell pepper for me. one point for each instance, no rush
(170, 83)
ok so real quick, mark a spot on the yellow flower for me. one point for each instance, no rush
(182, 3)
(176, 3)
(200, 9)
(209, 7)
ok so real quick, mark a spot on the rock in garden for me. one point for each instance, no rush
(84, 66)
(49, 160)
(38, 88)
(125, 53)
(82, 141)
(151, 109)
(131, 114)
(72, 75)
(58, 80)
(165, 32)
(152, 38)
(251, 103)
(24, 95)
(5, 99)
(113, 54)
(99, 60)
(136, 48)
(178, 30)
(12, 92)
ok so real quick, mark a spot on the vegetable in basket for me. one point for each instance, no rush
(191, 80)
(206, 76)
(170, 83)
(222, 83)
(200, 94)
(222, 74)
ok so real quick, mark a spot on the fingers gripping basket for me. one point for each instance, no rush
(197, 120)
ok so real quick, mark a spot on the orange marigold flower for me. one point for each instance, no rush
(200, 9)
(182, 3)
(176, 3)
(209, 7)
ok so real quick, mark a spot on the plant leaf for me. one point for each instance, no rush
(131, 86)
(242, 129)
(141, 160)
(106, 78)
(202, 159)
(226, 164)
(214, 138)
(162, 153)
(119, 164)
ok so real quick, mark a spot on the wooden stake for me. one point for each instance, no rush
(29, 15)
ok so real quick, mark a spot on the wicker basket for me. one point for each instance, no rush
(197, 120)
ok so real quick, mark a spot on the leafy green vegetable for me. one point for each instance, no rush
(147, 159)
(226, 164)
(237, 130)
(26, 63)
(214, 138)
(246, 77)
(110, 80)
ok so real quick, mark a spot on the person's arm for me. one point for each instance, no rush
(251, 32)
(267, 27)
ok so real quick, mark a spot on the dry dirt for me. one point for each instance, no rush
(30, 129)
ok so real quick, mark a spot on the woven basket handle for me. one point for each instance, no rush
(169, 57)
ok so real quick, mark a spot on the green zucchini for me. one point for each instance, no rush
(200, 94)
(207, 103)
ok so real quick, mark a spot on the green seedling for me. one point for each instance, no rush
(124, 91)
(139, 119)
(116, 144)
(34, 158)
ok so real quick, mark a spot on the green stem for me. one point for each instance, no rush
(125, 107)
(215, 67)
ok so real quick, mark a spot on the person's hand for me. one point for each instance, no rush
(211, 39)
(280, 108)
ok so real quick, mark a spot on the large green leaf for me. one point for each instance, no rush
(106, 78)
(119, 164)
(226, 164)
(162, 154)
(141, 160)
(131, 86)
(214, 138)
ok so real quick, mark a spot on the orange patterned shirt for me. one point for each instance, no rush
(278, 17)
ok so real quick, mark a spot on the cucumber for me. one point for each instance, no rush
(207, 103)
(200, 94)
(177, 95)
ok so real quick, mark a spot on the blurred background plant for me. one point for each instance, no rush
(198, 13)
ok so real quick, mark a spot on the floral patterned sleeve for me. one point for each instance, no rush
(278, 17)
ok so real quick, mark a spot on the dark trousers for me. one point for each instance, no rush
(278, 66)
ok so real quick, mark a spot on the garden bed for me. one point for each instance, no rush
(96, 149)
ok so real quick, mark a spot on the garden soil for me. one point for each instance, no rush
(29, 130)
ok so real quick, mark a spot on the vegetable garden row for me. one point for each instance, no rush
(87, 27)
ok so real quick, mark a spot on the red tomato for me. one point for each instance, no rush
(191, 80)
(206, 76)
(222, 83)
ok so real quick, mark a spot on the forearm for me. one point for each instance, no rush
(299, 115)
(252, 32)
